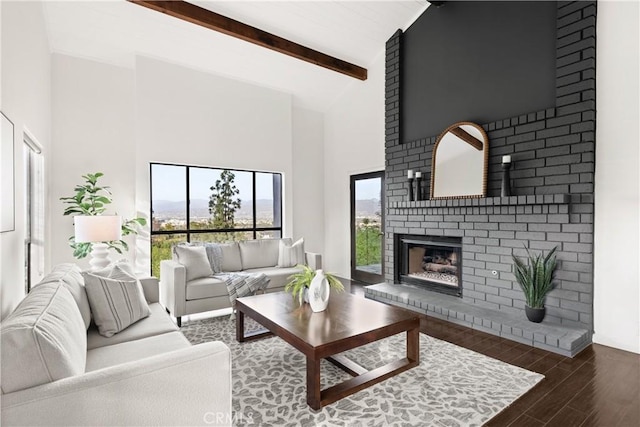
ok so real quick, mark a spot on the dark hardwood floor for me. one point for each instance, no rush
(598, 387)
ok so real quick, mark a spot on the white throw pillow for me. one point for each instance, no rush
(195, 261)
(290, 255)
(115, 304)
(43, 340)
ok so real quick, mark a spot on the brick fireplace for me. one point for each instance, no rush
(552, 205)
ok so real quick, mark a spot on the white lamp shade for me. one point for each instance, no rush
(98, 228)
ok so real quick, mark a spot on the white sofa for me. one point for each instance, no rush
(182, 297)
(147, 374)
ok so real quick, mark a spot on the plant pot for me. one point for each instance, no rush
(534, 315)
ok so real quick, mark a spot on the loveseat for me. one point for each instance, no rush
(182, 293)
(58, 369)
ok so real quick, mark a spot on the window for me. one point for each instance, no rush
(34, 209)
(201, 204)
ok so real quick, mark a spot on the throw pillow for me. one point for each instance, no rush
(115, 304)
(195, 261)
(290, 255)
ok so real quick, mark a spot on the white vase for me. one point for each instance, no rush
(319, 292)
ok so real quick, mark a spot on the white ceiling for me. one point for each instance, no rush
(114, 31)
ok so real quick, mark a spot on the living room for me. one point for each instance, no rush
(90, 115)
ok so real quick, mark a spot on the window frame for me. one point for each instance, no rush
(188, 231)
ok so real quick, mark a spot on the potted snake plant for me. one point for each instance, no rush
(535, 277)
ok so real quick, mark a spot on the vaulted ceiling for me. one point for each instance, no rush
(355, 31)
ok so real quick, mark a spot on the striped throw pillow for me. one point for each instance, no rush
(115, 304)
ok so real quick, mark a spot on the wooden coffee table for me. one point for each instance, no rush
(348, 322)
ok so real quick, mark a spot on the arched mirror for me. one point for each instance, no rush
(460, 162)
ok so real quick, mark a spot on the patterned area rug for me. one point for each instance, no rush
(452, 386)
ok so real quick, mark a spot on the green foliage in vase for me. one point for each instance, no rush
(92, 199)
(535, 277)
(300, 281)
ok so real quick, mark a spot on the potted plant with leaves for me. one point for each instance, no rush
(535, 277)
(91, 199)
(299, 283)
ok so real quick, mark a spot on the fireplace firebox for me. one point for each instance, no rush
(429, 262)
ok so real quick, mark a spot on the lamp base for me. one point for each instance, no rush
(99, 256)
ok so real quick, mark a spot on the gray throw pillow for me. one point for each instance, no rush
(115, 304)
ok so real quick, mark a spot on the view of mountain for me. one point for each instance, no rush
(164, 209)
(368, 208)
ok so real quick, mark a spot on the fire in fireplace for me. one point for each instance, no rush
(431, 262)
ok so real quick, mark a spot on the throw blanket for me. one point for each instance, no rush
(214, 254)
(243, 284)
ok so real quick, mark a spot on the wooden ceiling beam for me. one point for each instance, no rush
(197, 15)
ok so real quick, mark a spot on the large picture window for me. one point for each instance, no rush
(203, 204)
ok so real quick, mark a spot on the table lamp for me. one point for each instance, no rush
(97, 230)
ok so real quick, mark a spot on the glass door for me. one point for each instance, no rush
(367, 227)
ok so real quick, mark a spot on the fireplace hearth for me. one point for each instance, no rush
(429, 262)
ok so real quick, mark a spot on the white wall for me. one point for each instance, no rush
(617, 201)
(308, 183)
(117, 120)
(354, 143)
(93, 131)
(26, 100)
(186, 116)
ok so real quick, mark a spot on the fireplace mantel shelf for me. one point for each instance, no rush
(540, 199)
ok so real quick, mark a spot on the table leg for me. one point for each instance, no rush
(413, 345)
(240, 326)
(313, 384)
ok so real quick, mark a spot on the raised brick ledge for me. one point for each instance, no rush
(564, 340)
(540, 199)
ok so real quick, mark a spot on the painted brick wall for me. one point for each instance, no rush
(553, 153)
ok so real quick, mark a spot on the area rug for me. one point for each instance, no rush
(452, 386)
